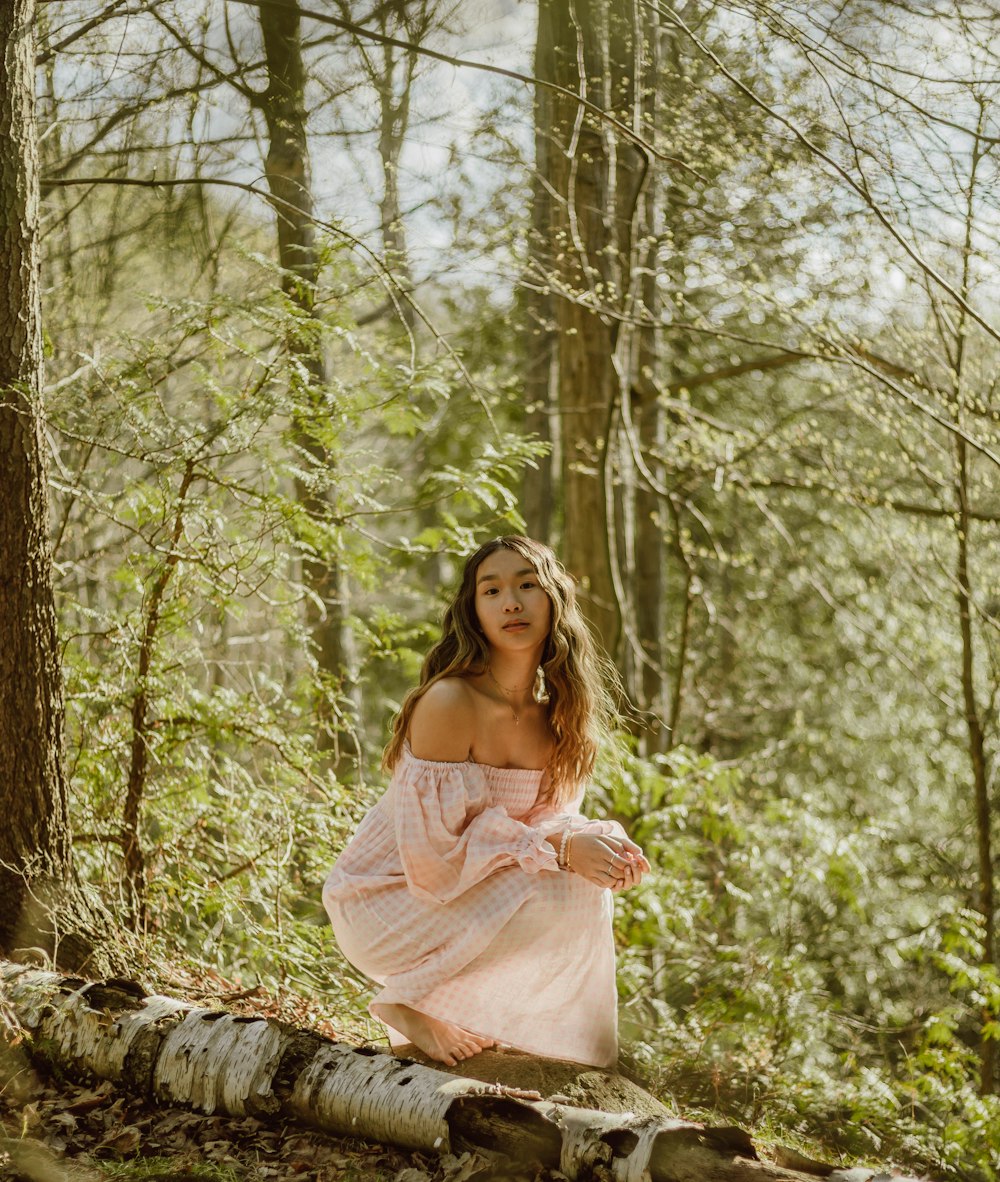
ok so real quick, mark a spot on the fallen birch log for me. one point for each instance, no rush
(213, 1061)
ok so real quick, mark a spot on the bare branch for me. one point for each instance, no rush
(857, 187)
(395, 288)
(465, 63)
(106, 13)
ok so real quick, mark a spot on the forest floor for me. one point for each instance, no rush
(63, 1132)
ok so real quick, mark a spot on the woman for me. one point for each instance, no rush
(474, 891)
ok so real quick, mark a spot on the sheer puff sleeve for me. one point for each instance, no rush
(547, 819)
(449, 836)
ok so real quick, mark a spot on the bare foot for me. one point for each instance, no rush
(443, 1041)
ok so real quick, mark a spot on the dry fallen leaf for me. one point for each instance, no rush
(124, 1141)
(466, 1168)
(87, 1101)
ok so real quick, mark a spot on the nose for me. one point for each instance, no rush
(511, 602)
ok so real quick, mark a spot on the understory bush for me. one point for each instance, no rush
(736, 1001)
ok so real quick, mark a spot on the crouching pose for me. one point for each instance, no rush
(474, 892)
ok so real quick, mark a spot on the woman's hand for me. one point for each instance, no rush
(607, 860)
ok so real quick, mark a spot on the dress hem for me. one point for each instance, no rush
(497, 1043)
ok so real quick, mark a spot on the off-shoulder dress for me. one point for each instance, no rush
(449, 897)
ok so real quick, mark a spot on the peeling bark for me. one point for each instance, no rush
(163, 1048)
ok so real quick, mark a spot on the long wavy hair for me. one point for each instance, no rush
(580, 706)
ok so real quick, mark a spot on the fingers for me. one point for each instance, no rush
(619, 877)
(630, 877)
(624, 849)
(626, 866)
(630, 847)
(610, 862)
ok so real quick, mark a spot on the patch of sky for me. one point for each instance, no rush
(445, 155)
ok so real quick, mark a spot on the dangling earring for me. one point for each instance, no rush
(541, 691)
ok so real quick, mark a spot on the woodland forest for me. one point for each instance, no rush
(305, 299)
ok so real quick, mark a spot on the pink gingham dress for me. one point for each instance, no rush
(450, 898)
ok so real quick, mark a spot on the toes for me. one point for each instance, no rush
(452, 1045)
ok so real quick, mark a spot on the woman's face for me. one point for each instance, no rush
(513, 610)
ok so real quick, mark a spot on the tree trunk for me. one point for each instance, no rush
(40, 904)
(986, 902)
(686, 606)
(288, 177)
(536, 314)
(217, 1062)
(645, 417)
(649, 583)
(394, 119)
(391, 71)
(595, 49)
(35, 837)
(133, 855)
(570, 36)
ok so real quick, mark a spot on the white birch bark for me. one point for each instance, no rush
(218, 1062)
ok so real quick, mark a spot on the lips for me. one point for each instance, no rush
(515, 626)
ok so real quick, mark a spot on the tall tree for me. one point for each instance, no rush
(391, 71)
(593, 180)
(642, 548)
(289, 178)
(538, 337)
(962, 398)
(37, 890)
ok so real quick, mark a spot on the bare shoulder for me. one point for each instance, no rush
(443, 723)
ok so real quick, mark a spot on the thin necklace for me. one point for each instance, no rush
(507, 693)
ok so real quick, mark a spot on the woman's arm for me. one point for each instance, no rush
(591, 847)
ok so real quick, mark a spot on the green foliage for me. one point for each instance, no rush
(159, 1169)
(181, 591)
(731, 1003)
